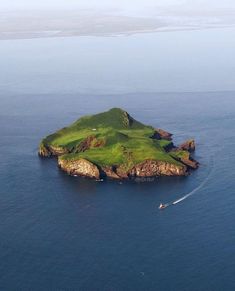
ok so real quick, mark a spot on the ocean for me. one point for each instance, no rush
(69, 233)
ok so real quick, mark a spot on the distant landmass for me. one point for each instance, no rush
(19, 24)
(113, 144)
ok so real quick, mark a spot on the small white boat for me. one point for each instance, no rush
(162, 206)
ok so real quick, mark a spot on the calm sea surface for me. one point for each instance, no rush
(64, 233)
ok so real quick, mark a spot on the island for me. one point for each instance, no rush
(114, 145)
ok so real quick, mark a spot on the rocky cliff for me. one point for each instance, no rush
(49, 150)
(188, 145)
(148, 168)
(79, 167)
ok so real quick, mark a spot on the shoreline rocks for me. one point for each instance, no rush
(48, 151)
(148, 168)
(81, 167)
(188, 145)
(161, 134)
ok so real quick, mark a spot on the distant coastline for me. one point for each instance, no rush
(83, 23)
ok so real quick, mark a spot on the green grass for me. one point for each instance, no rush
(164, 143)
(125, 140)
(132, 151)
(180, 154)
(114, 118)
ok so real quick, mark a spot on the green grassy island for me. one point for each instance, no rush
(113, 144)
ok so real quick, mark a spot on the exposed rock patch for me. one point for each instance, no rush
(188, 145)
(81, 167)
(48, 151)
(186, 159)
(150, 168)
(161, 134)
(110, 172)
(191, 163)
(44, 151)
(90, 141)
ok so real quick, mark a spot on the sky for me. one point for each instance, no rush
(124, 5)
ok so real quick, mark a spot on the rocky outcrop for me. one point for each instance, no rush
(80, 167)
(122, 172)
(114, 172)
(150, 168)
(110, 172)
(188, 145)
(185, 158)
(48, 151)
(44, 151)
(90, 141)
(191, 163)
(161, 134)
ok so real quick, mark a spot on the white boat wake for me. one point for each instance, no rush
(190, 193)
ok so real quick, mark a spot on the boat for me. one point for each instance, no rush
(162, 206)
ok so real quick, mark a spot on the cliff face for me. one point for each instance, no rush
(90, 141)
(48, 151)
(110, 172)
(44, 151)
(188, 145)
(79, 167)
(191, 163)
(185, 157)
(162, 134)
(152, 168)
(148, 168)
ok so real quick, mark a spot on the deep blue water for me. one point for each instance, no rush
(199, 60)
(64, 233)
